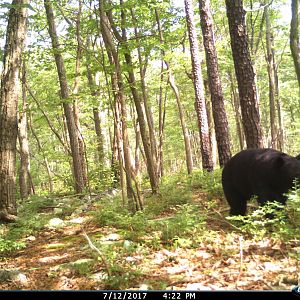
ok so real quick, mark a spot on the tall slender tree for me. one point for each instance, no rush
(45, 159)
(75, 91)
(9, 96)
(244, 73)
(64, 93)
(145, 95)
(235, 103)
(171, 80)
(124, 151)
(294, 37)
(215, 87)
(206, 152)
(24, 178)
(271, 75)
(161, 102)
(144, 129)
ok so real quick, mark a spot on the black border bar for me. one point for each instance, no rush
(148, 295)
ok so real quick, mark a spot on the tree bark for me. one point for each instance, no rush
(150, 162)
(76, 87)
(185, 132)
(206, 153)
(100, 139)
(24, 179)
(161, 103)
(294, 37)
(271, 73)
(9, 96)
(145, 96)
(244, 73)
(281, 144)
(236, 108)
(120, 107)
(215, 87)
(96, 113)
(171, 80)
(64, 93)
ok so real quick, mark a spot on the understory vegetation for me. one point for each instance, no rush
(182, 239)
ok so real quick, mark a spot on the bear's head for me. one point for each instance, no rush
(289, 168)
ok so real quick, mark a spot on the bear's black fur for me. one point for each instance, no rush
(265, 173)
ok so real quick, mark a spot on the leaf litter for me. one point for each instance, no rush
(225, 260)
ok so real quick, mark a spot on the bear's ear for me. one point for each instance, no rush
(298, 157)
(279, 161)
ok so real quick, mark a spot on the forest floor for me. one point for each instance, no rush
(217, 256)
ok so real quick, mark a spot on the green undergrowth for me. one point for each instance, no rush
(33, 215)
(29, 221)
(170, 217)
(173, 219)
(273, 219)
(187, 211)
(208, 182)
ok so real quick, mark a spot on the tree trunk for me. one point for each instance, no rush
(64, 93)
(150, 162)
(161, 102)
(210, 122)
(137, 162)
(215, 87)
(100, 140)
(161, 120)
(238, 118)
(62, 140)
(9, 96)
(281, 145)
(24, 179)
(185, 132)
(271, 72)
(254, 38)
(207, 162)
(81, 145)
(294, 37)
(120, 107)
(46, 163)
(171, 80)
(244, 73)
(148, 112)
(96, 113)
(123, 155)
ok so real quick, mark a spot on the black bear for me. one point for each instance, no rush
(265, 173)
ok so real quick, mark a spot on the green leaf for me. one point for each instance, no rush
(10, 6)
